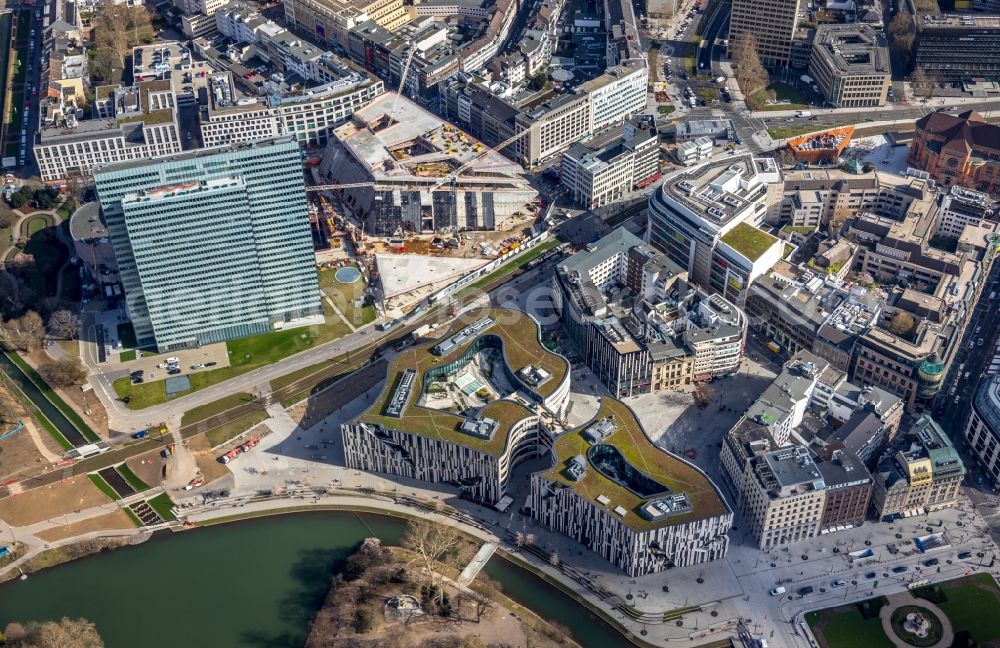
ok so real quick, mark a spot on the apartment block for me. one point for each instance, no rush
(706, 220)
(644, 517)
(850, 64)
(237, 258)
(773, 24)
(600, 175)
(638, 324)
(493, 363)
(923, 473)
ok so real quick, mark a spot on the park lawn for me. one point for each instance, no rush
(36, 224)
(6, 236)
(71, 288)
(782, 92)
(209, 410)
(970, 607)
(219, 435)
(345, 295)
(127, 356)
(844, 627)
(133, 480)
(142, 395)
(103, 486)
(50, 255)
(260, 350)
(162, 505)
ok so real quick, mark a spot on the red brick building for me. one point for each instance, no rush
(957, 150)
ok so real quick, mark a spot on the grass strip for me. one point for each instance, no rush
(103, 486)
(208, 410)
(132, 516)
(53, 397)
(162, 504)
(133, 480)
(511, 266)
(53, 432)
(127, 356)
(222, 433)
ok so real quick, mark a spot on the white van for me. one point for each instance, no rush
(803, 113)
(777, 591)
(721, 80)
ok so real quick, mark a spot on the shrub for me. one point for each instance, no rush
(963, 640)
(931, 593)
(869, 609)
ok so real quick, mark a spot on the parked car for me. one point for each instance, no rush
(141, 434)
(777, 591)
(930, 562)
(173, 372)
(899, 569)
(838, 583)
(965, 554)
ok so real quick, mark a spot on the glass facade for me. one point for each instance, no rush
(212, 246)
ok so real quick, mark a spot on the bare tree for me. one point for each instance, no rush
(554, 559)
(64, 373)
(431, 542)
(112, 31)
(64, 324)
(901, 324)
(15, 295)
(901, 29)
(65, 633)
(924, 84)
(750, 72)
(787, 157)
(24, 333)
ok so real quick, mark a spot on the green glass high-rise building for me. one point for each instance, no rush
(212, 245)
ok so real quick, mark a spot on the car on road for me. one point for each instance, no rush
(198, 366)
(870, 575)
(141, 434)
(965, 554)
(838, 583)
(808, 589)
(777, 591)
(173, 372)
(930, 562)
(211, 364)
(899, 569)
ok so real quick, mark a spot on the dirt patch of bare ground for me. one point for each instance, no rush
(383, 598)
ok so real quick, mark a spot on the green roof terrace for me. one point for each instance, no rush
(518, 334)
(660, 473)
(749, 241)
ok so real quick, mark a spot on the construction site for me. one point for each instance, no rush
(400, 169)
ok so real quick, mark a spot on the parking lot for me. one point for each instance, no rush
(150, 365)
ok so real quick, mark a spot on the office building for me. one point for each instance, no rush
(850, 64)
(800, 309)
(961, 149)
(640, 508)
(413, 171)
(936, 290)
(548, 126)
(692, 152)
(599, 175)
(706, 220)
(236, 256)
(492, 367)
(962, 208)
(331, 20)
(982, 432)
(922, 473)
(955, 47)
(794, 460)
(639, 324)
(141, 124)
(827, 198)
(772, 22)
